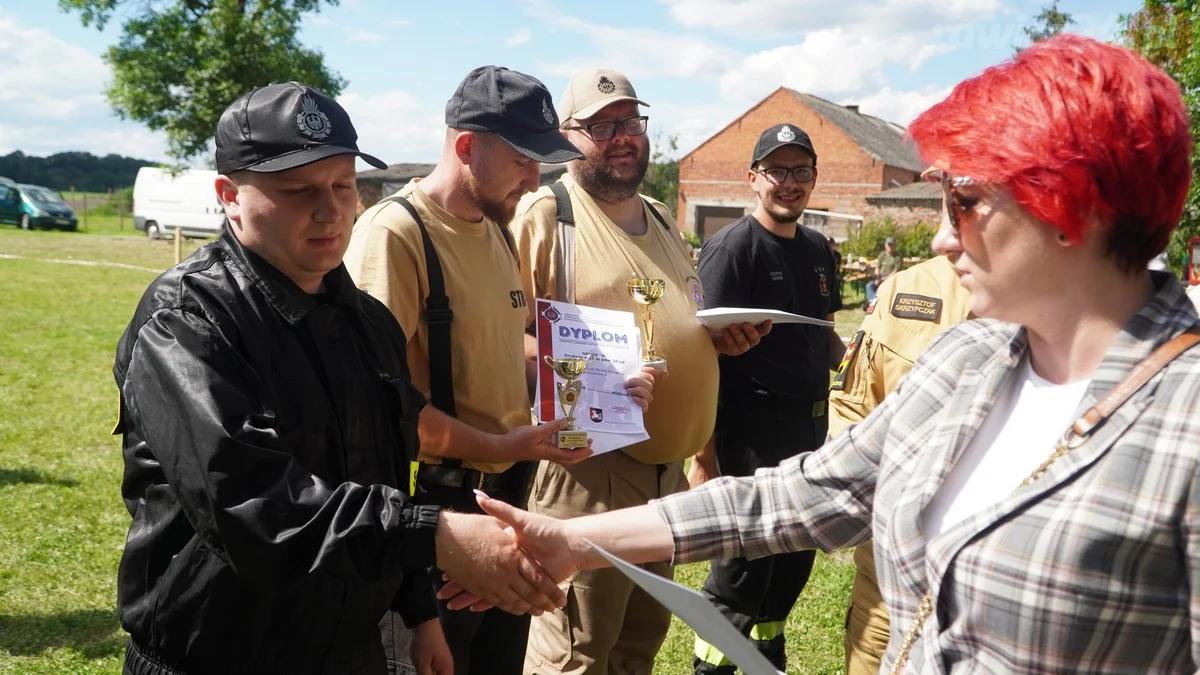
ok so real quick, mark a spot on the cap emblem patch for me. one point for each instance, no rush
(312, 122)
(786, 135)
(547, 112)
(606, 85)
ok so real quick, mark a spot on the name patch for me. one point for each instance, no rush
(919, 307)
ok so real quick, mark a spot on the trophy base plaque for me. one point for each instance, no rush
(659, 363)
(570, 439)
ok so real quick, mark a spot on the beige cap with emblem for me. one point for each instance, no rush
(591, 90)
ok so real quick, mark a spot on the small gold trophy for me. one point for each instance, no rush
(646, 292)
(568, 396)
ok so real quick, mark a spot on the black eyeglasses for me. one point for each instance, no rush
(779, 175)
(956, 206)
(604, 131)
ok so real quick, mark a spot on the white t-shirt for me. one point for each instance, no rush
(1194, 293)
(1020, 432)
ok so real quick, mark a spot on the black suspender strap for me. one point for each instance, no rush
(563, 213)
(566, 243)
(438, 317)
(657, 216)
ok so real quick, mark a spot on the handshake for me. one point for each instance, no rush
(509, 559)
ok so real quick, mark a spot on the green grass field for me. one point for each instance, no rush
(64, 523)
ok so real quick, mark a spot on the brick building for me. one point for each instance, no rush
(859, 156)
(907, 205)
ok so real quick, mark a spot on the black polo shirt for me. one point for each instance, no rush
(745, 265)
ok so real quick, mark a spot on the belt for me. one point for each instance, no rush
(763, 398)
(458, 477)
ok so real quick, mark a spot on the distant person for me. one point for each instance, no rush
(914, 306)
(267, 421)
(886, 265)
(500, 128)
(772, 401)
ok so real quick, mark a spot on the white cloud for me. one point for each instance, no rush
(361, 35)
(42, 77)
(841, 62)
(396, 126)
(397, 23)
(103, 138)
(784, 18)
(637, 52)
(897, 106)
(318, 20)
(829, 62)
(690, 124)
(519, 38)
(51, 92)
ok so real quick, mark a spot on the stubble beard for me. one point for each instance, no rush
(602, 182)
(496, 211)
(784, 216)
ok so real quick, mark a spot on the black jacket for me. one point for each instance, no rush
(266, 432)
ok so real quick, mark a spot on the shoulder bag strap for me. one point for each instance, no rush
(1077, 434)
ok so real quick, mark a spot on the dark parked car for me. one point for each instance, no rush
(33, 206)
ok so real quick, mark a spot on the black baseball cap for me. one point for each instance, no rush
(284, 126)
(778, 136)
(515, 107)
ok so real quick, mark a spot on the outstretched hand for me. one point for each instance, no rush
(482, 556)
(542, 538)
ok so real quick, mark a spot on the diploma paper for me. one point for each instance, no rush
(697, 612)
(610, 416)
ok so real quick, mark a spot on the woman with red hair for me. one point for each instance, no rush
(1033, 485)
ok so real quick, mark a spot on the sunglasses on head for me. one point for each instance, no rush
(955, 208)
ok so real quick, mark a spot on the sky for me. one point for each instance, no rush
(698, 63)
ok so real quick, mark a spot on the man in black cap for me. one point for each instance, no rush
(267, 418)
(501, 127)
(772, 402)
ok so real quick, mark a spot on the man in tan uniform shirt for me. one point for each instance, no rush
(913, 307)
(609, 625)
(501, 125)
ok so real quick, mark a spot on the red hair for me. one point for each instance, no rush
(1075, 130)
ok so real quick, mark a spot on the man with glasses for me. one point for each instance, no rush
(609, 625)
(773, 398)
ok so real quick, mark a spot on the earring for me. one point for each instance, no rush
(1062, 239)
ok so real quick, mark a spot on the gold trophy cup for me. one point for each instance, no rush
(570, 370)
(646, 292)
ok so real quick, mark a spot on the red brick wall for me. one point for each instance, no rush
(902, 215)
(716, 171)
(901, 176)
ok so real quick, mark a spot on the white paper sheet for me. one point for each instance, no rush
(697, 612)
(611, 417)
(720, 317)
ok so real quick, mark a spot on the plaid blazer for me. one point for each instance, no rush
(1094, 567)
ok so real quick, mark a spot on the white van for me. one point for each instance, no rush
(187, 200)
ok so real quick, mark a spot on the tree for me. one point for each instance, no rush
(1166, 32)
(66, 170)
(180, 63)
(662, 177)
(1050, 22)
